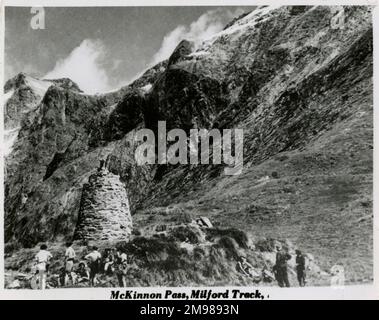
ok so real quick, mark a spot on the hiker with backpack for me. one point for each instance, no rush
(122, 271)
(108, 263)
(300, 268)
(42, 259)
(281, 268)
(93, 259)
(69, 263)
(121, 267)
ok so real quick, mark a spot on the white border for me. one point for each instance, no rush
(2, 29)
(180, 3)
(348, 292)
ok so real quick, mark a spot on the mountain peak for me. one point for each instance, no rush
(183, 49)
(17, 81)
(66, 83)
(38, 85)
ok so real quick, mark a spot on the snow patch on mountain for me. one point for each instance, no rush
(241, 25)
(146, 88)
(7, 96)
(198, 53)
(10, 137)
(38, 86)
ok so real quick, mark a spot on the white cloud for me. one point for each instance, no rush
(207, 25)
(83, 66)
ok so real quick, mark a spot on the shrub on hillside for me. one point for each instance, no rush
(184, 232)
(230, 247)
(10, 247)
(238, 235)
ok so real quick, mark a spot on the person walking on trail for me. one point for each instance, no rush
(281, 267)
(69, 263)
(93, 259)
(42, 259)
(121, 267)
(120, 256)
(108, 262)
(122, 273)
(300, 268)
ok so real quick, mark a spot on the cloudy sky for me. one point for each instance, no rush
(104, 48)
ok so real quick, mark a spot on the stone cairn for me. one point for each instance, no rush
(104, 209)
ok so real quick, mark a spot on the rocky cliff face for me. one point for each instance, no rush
(297, 82)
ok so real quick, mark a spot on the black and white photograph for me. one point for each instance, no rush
(188, 146)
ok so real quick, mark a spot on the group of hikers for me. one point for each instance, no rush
(112, 261)
(280, 269)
